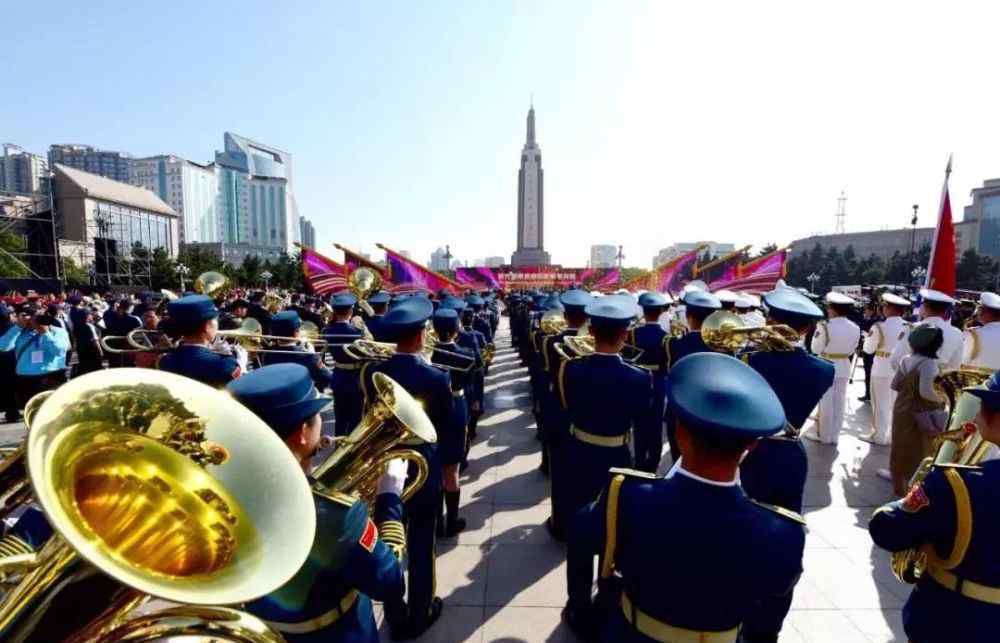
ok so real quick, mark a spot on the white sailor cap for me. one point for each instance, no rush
(936, 296)
(743, 303)
(727, 296)
(752, 298)
(697, 284)
(780, 284)
(839, 298)
(990, 300)
(596, 293)
(895, 300)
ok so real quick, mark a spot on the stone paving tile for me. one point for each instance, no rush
(528, 576)
(521, 524)
(825, 626)
(525, 625)
(461, 573)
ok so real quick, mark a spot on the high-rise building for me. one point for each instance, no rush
(191, 189)
(307, 232)
(493, 262)
(984, 212)
(256, 202)
(440, 260)
(22, 172)
(711, 247)
(530, 203)
(603, 256)
(113, 165)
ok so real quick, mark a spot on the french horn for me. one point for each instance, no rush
(155, 485)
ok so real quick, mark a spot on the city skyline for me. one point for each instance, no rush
(665, 137)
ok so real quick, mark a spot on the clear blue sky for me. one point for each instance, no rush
(658, 122)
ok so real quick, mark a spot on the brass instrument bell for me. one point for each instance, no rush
(211, 283)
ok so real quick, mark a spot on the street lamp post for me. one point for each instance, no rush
(913, 236)
(266, 276)
(812, 279)
(182, 272)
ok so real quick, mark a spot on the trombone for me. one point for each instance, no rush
(366, 350)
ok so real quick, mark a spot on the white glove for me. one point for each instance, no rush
(394, 478)
(221, 347)
(242, 357)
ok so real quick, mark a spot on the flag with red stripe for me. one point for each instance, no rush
(322, 274)
(942, 266)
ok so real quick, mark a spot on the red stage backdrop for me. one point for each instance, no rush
(511, 278)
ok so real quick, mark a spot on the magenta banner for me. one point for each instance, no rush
(524, 277)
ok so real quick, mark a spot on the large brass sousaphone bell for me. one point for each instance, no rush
(165, 485)
(364, 282)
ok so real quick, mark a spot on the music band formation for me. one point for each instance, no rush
(670, 430)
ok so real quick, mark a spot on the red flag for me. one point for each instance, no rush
(354, 260)
(407, 272)
(942, 266)
(322, 274)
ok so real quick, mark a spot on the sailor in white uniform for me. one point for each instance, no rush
(981, 347)
(935, 308)
(880, 341)
(747, 306)
(835, 340)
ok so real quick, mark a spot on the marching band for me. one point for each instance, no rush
(733, 380)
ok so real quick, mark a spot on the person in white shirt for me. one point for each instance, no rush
(880, 341)
(935, 309)
(835, 340)
(981, 345)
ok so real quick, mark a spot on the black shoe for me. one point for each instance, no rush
(455, 527)
(415, 628)
(554, 531)
(864, 399)
(583, 629)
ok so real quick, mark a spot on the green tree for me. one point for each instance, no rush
(628, 274)
(163, 271)
(198, 260)
(766, 250)
(250, 270)
(12, 244)
(73, 274)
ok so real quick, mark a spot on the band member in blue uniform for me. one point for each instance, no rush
(555, 420)
(287, 324)
(649, 337)
(538, 378)
(347, 397)
(950, 517)
(467, 336)
(604, 398)
(698, 304)
(775, 471)
(329, 599)
(688, 556)
(459, 362)
(198, 356)
(479, 320)
(379, 303)
(404, 324)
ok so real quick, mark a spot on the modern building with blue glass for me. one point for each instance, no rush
(256, 204)
(985, 213)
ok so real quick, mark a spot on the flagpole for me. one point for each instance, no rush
(421, 266)
(937, 228)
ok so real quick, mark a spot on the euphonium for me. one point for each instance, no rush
(552, 324)
(212, 283)
(359, 459)
(152, 483)
(726, 332)
(961, 443)
(15, 488)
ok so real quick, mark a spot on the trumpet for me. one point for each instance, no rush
(182, 460)
(961, 443)
(726, 332)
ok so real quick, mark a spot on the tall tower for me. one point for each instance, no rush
(841, 217)
(530, 213)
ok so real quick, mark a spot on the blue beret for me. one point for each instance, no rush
(343, 300)
(455, 303)
(551, 303)
(611, 311)
(408, 314)
(722, 397)
(191, 310)
(701, 299)
(282, 395)
(989, 393)
(575, 299)
(475, 300)
(791, 307)
(285, 323)
(445, 319)
(381, 297)
(653, 300)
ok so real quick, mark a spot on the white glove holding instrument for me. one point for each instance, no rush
(394, 478)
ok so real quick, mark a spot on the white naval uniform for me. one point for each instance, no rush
(981, 348)
(949, 357)
(754, 319)
(880, 342)
(835, 340)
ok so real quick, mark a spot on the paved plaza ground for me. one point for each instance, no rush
(504, 579)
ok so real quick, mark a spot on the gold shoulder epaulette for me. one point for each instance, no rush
(781, 511)
(336, 496)
(632, 473)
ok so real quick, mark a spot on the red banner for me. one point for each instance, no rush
(525, 277)
(322, 274)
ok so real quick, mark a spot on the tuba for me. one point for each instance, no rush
(726, 332)
(359, 459)
(961, 443)
(212, 283)
(363, 283)
(152, 485)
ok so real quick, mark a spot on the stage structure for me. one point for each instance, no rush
(28, 248)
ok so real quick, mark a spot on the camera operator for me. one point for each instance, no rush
(40, 351)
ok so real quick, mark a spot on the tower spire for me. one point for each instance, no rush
(531, 124)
